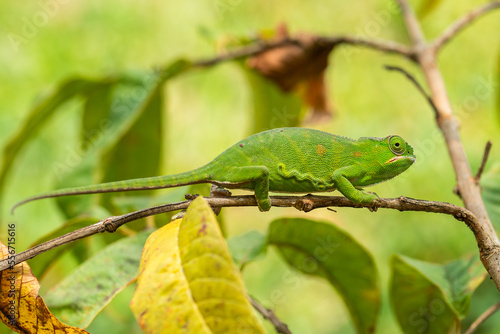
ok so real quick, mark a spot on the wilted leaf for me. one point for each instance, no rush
(300, 67)
(247, 247)
(291, 64)
(322, 249)
(187, 281)
(21, 307)
(432, 298)
(86, 291)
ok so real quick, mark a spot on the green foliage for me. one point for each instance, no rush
(80, 296)
(432, 298)
(41, 113)
(126, 127)
(321, 249)
(490, 184)
(247, 247)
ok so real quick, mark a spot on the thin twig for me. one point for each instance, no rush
(486, 153)
(246, 51)
(268, 314)
(482, 318)
(483, 162)
(302, 203)
(325, 41)
(376, 44)
(416, 83)
(412, 25)
(463, 22)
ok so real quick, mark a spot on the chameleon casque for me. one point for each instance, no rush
(286, 160)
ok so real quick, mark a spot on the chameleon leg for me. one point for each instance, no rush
(259, 176)
(341, 178)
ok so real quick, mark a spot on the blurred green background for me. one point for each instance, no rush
(208, 110)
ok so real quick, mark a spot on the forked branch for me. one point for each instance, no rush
(487, 240)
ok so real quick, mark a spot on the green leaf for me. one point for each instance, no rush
(432, 298)
(490, 184)
(41, 113)
(322, 249)
(498, 90)
(129, 135)
(187, 281)
(272, 108)
(104, 124)
(139, 150)
(88, 289)
(96, 115)
(247, 247)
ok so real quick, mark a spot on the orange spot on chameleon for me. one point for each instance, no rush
(320, 150)
(357, 154)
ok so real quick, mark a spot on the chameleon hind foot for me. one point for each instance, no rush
(264, 205)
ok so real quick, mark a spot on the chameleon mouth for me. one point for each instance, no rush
(399, 157)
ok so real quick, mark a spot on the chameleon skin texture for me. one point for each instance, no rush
(288, 160)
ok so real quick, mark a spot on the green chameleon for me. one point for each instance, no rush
(286, 160)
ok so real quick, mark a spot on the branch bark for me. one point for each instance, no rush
(302, 203)
(488, 243)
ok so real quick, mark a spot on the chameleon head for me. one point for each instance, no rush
(383, 159)
(399, 155)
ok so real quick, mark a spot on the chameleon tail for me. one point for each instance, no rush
(200, 175)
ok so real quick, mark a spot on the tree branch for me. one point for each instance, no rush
(488, 243)
(302, 203)
(271, 316)
(461, 23)
(325, 41)
(482, 318)
(380, 45)
(246, 51)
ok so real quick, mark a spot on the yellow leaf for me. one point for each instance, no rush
(187, 281)
(21, 307)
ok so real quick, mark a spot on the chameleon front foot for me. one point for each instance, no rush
(368, 197)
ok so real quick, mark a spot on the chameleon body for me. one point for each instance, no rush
(287, 160)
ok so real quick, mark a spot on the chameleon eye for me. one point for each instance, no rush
(397, 145)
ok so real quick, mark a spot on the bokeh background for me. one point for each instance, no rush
(208, 110)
